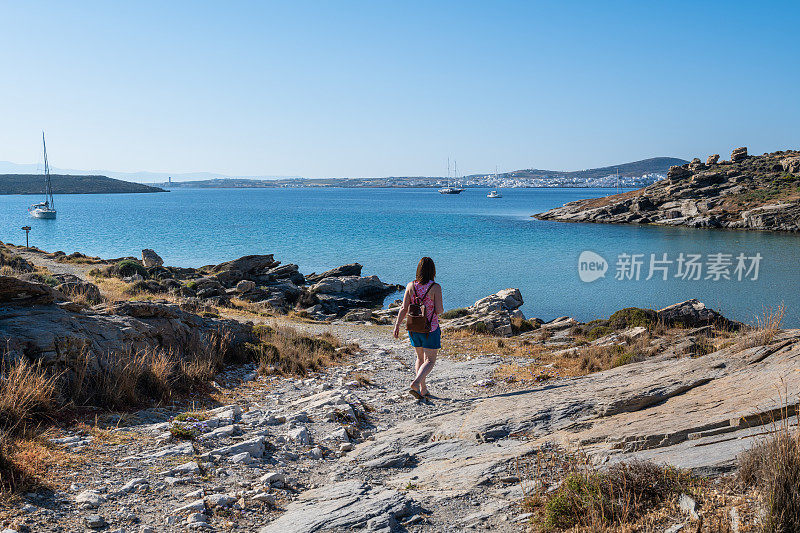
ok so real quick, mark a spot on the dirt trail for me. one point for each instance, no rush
(40, 259)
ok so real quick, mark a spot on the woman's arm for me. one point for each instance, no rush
(401, 314)
(438, 305)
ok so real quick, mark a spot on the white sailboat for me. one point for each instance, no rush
(449, 189)
(46, 209)
(496, 192)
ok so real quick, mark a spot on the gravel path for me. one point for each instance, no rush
(40, 259)
(267, 450)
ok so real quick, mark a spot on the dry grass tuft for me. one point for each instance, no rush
(285, 351)
(769, 323)
(773, 466)
(24, 465)
(27, 396)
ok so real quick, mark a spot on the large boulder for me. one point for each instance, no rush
(739, 154)
(691, 313)
(791, 165)
(81, 289)
(151, 259)
(353, 269)
(491, 315)
(712, 159)
(19, 292)
(289, 272)
(676, 173)
(507, 299)
(360, 287)
(229, 278)
(249, 264)
(245, 285)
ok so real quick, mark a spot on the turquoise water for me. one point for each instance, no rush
(480, 245)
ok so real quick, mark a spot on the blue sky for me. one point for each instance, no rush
(393, 88)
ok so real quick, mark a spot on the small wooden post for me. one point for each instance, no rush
(27, 231)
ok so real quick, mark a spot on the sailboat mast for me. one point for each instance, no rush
(48, 193)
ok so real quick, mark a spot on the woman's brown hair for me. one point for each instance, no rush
(426, 270)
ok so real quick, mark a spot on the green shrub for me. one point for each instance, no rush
(620, 494)
(632, 317)
(624, 358)
(479, 327)
(129, 267)
(455, 313)
(597, 332)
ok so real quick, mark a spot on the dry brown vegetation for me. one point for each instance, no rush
(764, 327)
(565, 492)
(284, 351)
(33, 397)
(773, 465)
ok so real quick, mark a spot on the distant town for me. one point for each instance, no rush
(628, 175)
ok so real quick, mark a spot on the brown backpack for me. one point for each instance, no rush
(417, 319)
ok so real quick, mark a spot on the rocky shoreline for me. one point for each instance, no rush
(745, 192)
(342, 447)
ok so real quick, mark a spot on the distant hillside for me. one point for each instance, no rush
(659, 165)
(68, 184)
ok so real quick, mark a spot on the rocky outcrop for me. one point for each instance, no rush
(35, 322)
(83, 290)
(693, 313)
(353, 269)
(151, 259)
(491, 315)
(260, 279)
(16, 292)
(747, 192)
(739, 154)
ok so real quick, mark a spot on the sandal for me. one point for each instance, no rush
(416, 394)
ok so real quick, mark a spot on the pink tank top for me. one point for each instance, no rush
(430, 310)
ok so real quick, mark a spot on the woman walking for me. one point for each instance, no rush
(422, 303)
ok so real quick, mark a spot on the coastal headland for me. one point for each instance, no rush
(70, 184)
(744, 192)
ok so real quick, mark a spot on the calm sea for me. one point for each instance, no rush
(480, 245)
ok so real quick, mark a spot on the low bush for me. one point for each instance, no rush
(454, 313)
(187, 426)
(129, 267)
(597, 332)
(632, 317)
(591, 498)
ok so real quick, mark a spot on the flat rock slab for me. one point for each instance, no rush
(341, 506)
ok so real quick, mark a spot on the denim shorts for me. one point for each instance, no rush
(432, 340)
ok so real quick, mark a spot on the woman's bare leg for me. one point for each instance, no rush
(423, 371)
(419, 362)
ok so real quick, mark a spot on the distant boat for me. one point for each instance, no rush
(495, 193)
(46, 209)
(449, 189)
